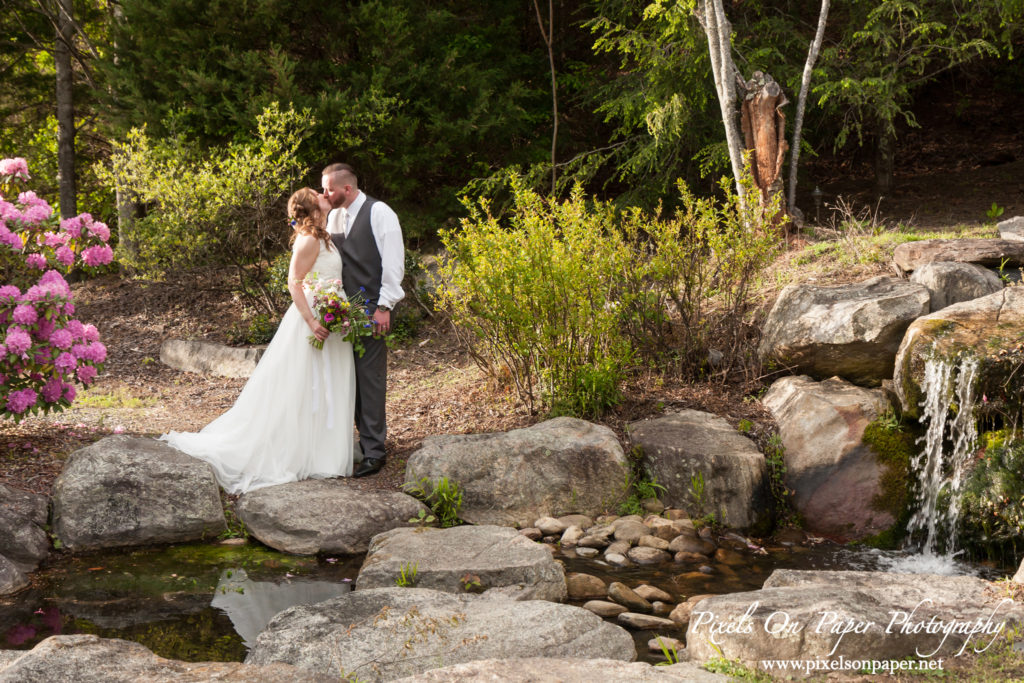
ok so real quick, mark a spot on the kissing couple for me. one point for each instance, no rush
(293, 419)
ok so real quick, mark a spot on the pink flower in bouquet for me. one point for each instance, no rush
(25, 314)
(62, 339)
(18, 341)
(53, 390)
(329, 317)
(37, 261)
(86, 374)
(90, 332)
(15, 167)
(98, 255)
(65, 256)
(21, 400)
(101, 230)
(65, 363)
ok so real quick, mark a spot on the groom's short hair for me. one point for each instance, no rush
(343, 172)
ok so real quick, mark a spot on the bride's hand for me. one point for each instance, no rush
(319, 331)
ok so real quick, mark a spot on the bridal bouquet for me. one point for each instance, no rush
(339, 314)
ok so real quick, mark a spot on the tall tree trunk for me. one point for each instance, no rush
(65, 110)
(549, 38)
(801, 101)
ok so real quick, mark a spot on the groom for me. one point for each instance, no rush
(367, 233)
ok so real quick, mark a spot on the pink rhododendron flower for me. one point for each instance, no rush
(65, 255)
(72, 226)
(9, 292)
(37, 213)
(11, 239)
(21, 400)
(53, 390)
(98, 255)
(76, 328)
(15, 167)
(65, 363)
(44, 328)
(25, 314)
(86, 374)
(62, 339)
(55, 239)
(30, 198)
(36, 261)
(17, 341)
(91, 333)
(69, 392)
(100, 230)
(69, 308)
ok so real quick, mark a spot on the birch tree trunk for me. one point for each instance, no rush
(65, 110)
(719, 34)
(801, 101)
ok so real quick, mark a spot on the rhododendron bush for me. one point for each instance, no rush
(44, 350)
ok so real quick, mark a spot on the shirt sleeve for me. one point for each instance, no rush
(387, 233)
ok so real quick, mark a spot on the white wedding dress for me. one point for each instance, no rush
(294, 417)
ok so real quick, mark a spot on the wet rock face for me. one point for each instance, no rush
(388, 633)
(125, 491)
(851, 331)
(511, 478)
(834, 475)
(990, 328)
(487, 559)
(691, 445)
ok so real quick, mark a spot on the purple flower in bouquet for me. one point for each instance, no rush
(62, 339)
(17, 341)
(328, 317)
(25, 314)
(21, 400)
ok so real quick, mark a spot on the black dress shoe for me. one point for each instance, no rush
(368, 467)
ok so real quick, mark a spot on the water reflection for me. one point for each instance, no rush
(251, 604)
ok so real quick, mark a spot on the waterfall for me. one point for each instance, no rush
(948, 412)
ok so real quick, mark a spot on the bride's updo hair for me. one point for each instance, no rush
(306, 217)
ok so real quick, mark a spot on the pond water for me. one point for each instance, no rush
(208, 602)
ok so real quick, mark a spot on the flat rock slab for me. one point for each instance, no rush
(683, 446)
(206, 358)
(834, 475)
(499, 559)
(804, 615)
(985, 252)
(990, 328)
(125, 491)
(950, 283)
(550, 670)
(90, 659)
(1012, 229)
(323, 516)
(851, 331)
(513, 478)
(388, 633)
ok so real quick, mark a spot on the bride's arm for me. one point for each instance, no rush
(304, 255)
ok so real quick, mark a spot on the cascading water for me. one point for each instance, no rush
(949, 445)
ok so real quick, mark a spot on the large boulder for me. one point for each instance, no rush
(323, 516)
(22, 542)
(850, 330)
(834, 475)
(125, 491)
(12, 579)
(985, 252)
(491, 559)
(686, 449)
(990, 329)
(32, 506)
(566, 671)
(950, 283)
(91, 659)
(1012, 229)
(512, 478)
(387, 633)
(828, 615)
(206, 358)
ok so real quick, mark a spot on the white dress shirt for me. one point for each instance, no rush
(387, 233)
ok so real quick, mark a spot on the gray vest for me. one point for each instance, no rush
(360, 258)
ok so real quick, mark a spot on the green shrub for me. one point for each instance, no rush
(558, 298)
(443, 497)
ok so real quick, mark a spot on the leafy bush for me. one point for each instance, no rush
(220, 207)
(559, 298)
(44, 351)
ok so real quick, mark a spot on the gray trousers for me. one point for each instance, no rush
(371, 394)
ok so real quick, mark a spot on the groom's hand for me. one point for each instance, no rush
(381, 321)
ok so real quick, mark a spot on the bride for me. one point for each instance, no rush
(293, 419)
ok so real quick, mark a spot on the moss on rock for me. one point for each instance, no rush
(894, 447)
